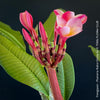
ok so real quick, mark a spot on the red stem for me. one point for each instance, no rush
(54, 84)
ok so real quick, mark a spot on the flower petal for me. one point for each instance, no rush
(83, 17)
(68, 15)
(29, 19)
(60, 21)
(23, 21)
(58, 12)
(28, 39)
(64, 30)
(75, 25)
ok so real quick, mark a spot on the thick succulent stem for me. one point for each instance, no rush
(54, 84)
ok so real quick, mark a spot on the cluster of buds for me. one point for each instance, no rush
(66, 25)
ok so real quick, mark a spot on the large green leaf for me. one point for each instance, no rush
(95, 52)
(22, 66)
(66, 76)
(49, 26)
(14, 36)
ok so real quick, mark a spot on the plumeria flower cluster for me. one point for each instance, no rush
(66, 26)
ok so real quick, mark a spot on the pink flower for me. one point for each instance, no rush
(68, 24)
(27, 21)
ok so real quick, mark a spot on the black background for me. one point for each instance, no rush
(84, 61)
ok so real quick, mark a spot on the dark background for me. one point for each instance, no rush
(84, 61)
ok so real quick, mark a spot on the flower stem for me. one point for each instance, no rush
(54, 84)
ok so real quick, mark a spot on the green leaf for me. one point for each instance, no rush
(66, 76)
(95, 52)
(22, 66)
(14, 36)
(49, 26)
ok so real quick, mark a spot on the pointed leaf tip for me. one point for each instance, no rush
(95, 52)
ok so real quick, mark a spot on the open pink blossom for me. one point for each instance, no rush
(68, 24)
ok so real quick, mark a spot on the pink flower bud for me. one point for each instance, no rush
(26, 20)
(28, 39)
(43, 35)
